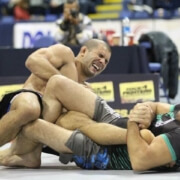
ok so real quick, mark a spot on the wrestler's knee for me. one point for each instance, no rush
(57, 81)
(33, 111)
(54, 80)
(28, 109)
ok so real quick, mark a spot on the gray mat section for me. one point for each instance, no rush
(52, 170)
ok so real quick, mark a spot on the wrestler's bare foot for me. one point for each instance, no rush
(3, 153)
(30, 160)
(21, 161)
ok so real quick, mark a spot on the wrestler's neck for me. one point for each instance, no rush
(82, 78)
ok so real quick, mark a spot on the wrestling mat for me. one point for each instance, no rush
(52, 169)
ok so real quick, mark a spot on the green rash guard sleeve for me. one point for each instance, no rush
(171, 149)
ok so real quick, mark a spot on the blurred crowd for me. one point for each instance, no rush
(153, 6)
(25, 9)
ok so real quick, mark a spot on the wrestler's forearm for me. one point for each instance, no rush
(146, 155)
(136, 146)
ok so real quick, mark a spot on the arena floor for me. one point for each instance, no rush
(51, 169)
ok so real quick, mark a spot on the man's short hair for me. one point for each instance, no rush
(94, 43)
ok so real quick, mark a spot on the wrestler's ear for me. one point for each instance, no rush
(83, 50)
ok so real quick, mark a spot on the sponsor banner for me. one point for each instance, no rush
(26, 33)
(131, 92)
(123, 112)
(121, 92)
(126, 89)
(104, 90)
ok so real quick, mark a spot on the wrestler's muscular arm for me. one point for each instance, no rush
(107, 134)
(145, 150)
(56, 59)
(146, 155)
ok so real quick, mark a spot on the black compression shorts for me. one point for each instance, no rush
(5, 102)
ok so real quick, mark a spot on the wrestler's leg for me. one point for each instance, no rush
(105, 134)
(39, 131)
(47, 133)
(73, 120)
(25, 108)
(101, 133)
(53, 106)
(81, 96)
(74, 97)
(61, 91)
(56, 95)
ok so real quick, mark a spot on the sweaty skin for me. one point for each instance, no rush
(25, 106)
(92, 59)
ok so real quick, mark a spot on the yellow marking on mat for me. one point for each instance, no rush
(9, 88)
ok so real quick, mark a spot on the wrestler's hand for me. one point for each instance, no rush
(142, 114)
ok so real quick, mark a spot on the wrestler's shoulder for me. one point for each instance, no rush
(60, 46)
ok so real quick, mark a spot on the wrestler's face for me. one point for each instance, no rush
(96, 60)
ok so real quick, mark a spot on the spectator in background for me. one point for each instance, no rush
(56, 6)
(73, 28)
(21, 10)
